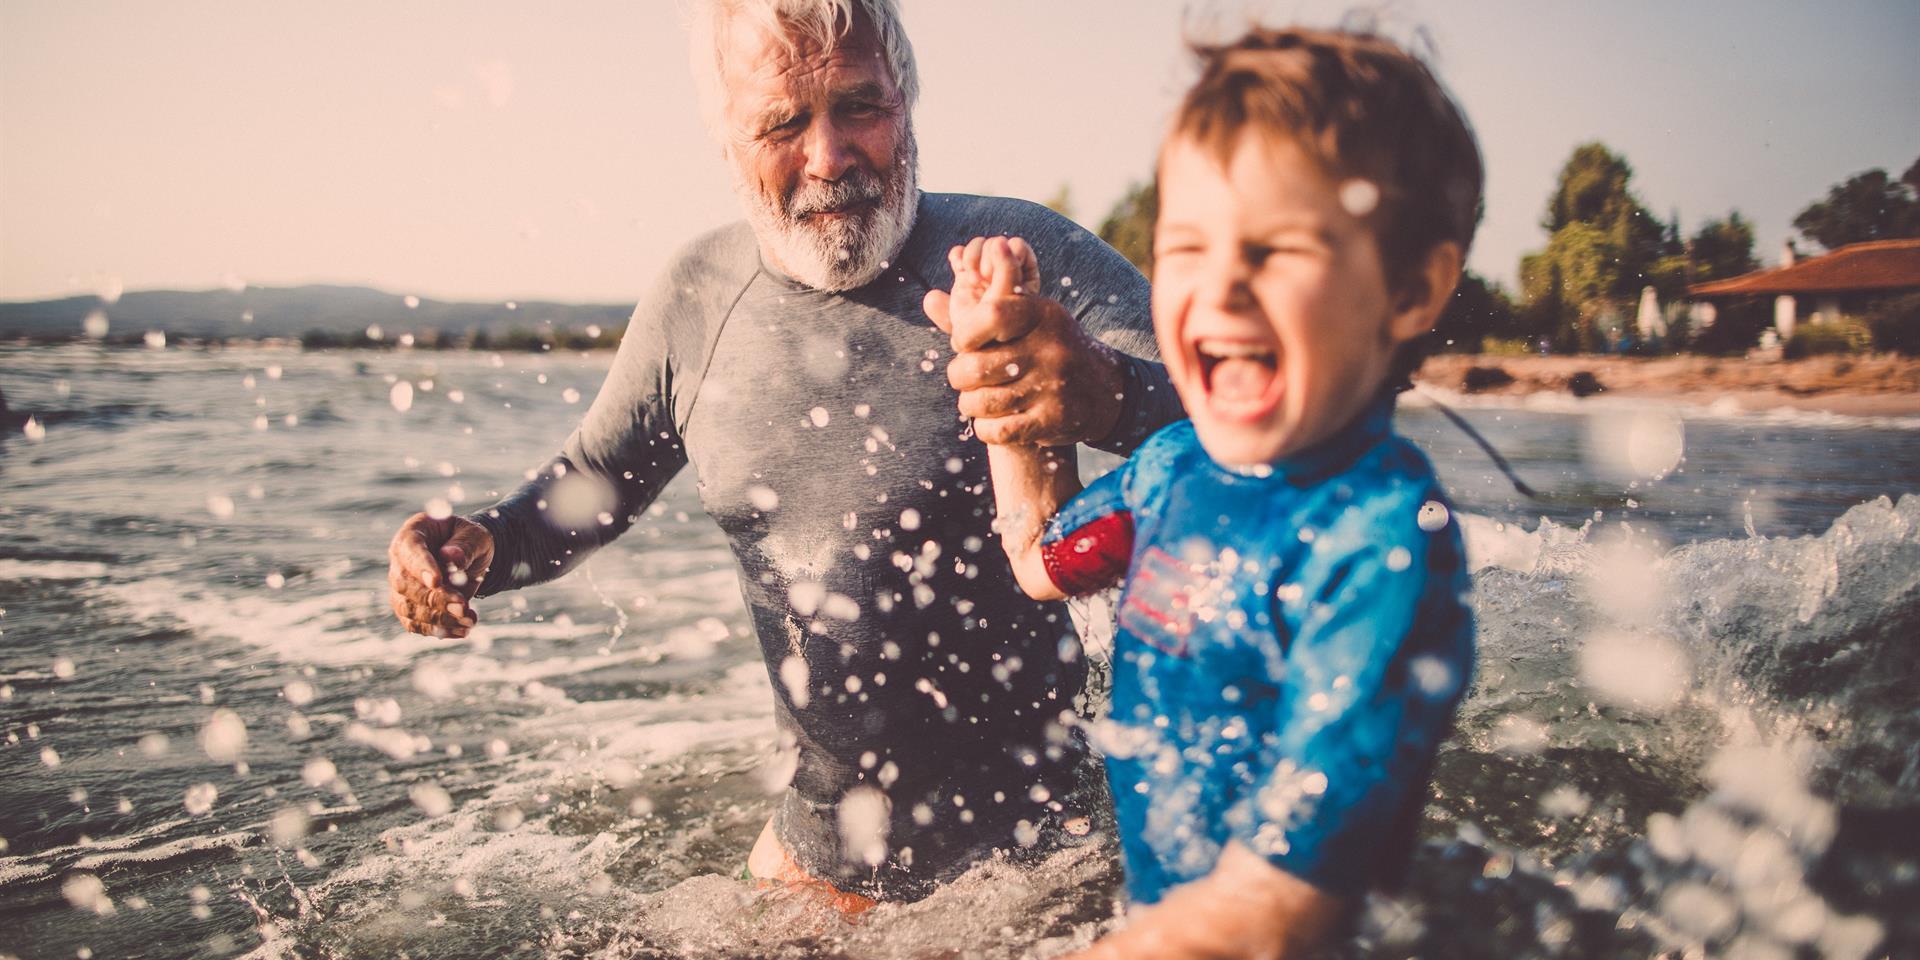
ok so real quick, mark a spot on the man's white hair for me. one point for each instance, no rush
(822, 22)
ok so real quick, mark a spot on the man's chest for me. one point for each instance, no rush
(832, 414)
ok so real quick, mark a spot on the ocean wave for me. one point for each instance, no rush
(51, 570)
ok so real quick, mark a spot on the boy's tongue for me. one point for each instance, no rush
(1241, 379)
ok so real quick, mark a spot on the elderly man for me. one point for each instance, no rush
(788, 359)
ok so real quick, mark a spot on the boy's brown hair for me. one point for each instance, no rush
(1362, 108)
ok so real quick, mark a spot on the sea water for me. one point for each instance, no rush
(1693, 732)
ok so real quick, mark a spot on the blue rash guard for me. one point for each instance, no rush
(1290, 648)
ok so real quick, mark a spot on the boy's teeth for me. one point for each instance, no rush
(1233, 348)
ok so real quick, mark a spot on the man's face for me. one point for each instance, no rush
(821, 150)
(1269, 300)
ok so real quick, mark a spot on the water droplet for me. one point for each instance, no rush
(794, 676)
(224, 738)
(1637, 670)
(200, 798)
(431, 798)
(864, 825)
(318, 772)
(86, 892)
(762, 498)
(288, 826)
(401, 396)
(1359, 197)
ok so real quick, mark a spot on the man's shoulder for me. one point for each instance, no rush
(953, 218)
(729, 249)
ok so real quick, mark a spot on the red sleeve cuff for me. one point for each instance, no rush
(1092, 557)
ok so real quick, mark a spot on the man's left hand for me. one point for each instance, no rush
(1028, 375)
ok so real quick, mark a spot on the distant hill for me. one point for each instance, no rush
(255, 312)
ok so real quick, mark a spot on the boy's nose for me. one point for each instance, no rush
(1227, 285)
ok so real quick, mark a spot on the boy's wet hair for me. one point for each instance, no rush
(1363, 109)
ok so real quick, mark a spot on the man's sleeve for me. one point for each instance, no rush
(1380, 658)
(617, 461)
(1113, 302)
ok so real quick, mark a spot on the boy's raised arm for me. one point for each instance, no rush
(1030, 483)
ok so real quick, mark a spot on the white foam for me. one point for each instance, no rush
(319, 630)
(51, 570)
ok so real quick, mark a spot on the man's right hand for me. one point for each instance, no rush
(434, 567)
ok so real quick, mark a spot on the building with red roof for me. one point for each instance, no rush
(1845, 281)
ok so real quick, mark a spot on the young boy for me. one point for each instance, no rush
(1292, 635)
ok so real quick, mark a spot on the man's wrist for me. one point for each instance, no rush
(1117, 393)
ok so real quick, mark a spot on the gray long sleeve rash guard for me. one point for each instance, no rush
(828, 446)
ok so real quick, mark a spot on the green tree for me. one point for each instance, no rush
(1580, 272)
(1477, 311)
(1866, 206)
(1129, 228)
(1721, 249)
(1603, 247)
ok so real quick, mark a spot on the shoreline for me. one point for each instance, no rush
(1878, 385)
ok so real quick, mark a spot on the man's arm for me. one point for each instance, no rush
(1245, 908)
(611, 468)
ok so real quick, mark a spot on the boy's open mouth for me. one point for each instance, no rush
(1241, 377)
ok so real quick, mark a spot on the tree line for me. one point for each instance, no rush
(1581, 291)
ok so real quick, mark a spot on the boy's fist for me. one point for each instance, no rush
(991, 279)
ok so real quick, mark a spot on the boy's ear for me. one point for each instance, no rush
(1425, 293)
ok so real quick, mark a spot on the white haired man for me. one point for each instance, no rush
(788, 359)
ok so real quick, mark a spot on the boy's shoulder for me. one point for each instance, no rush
(1388, 498)
(1163, 456)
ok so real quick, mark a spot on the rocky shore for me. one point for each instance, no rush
(1875, 385)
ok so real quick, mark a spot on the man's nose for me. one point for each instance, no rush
(830, 152)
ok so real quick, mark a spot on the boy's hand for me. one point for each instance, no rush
(1026, 372)
(994, 280)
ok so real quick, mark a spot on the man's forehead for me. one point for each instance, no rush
(758, 63)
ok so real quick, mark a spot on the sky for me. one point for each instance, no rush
(463, 149)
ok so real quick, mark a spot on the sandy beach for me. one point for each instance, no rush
(1878, 385)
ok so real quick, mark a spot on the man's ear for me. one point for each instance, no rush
(1426, 292)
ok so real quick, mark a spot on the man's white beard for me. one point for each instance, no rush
(847, 253)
